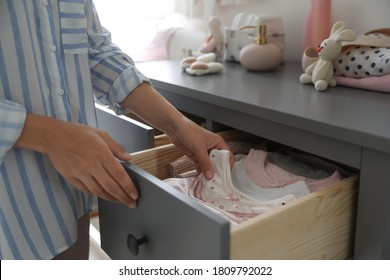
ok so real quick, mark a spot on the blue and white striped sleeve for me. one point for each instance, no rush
(12, 118)
(114, 74)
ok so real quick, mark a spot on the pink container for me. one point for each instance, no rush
(318, 23)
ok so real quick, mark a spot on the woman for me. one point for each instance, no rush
(55, 61)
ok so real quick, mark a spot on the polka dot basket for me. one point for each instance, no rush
(367, 56)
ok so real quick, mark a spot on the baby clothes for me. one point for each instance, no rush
(221, 196)
(244, 185)
(303, 164)
(268, 175)
(254, 186)
(185, 167)
(375, 83)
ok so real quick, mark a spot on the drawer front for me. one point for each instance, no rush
(175, 226)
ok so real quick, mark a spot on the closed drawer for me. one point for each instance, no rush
(317, 226)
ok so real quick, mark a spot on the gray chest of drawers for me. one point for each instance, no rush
(346, 125)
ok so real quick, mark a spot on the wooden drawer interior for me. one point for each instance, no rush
(318, 226)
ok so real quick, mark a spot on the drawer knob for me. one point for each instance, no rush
(133, 243)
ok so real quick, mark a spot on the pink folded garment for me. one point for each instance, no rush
(375, 83)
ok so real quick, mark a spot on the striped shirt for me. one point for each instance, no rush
(55, 59)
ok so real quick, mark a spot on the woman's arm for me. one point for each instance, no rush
(195, 141)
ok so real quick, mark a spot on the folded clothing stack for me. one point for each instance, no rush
(259, 181)
(365, 62)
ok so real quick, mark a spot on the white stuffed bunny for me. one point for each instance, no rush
(320, 73)
(213, 43)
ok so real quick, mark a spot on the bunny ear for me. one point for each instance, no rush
(345, 35)
(337, 27)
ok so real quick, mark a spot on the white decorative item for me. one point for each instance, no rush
(320, 72)
(201, 65)
(213, 43)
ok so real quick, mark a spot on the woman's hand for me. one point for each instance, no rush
(196, 142)
(86, 157)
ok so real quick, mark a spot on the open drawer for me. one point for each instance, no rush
(169, 225)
